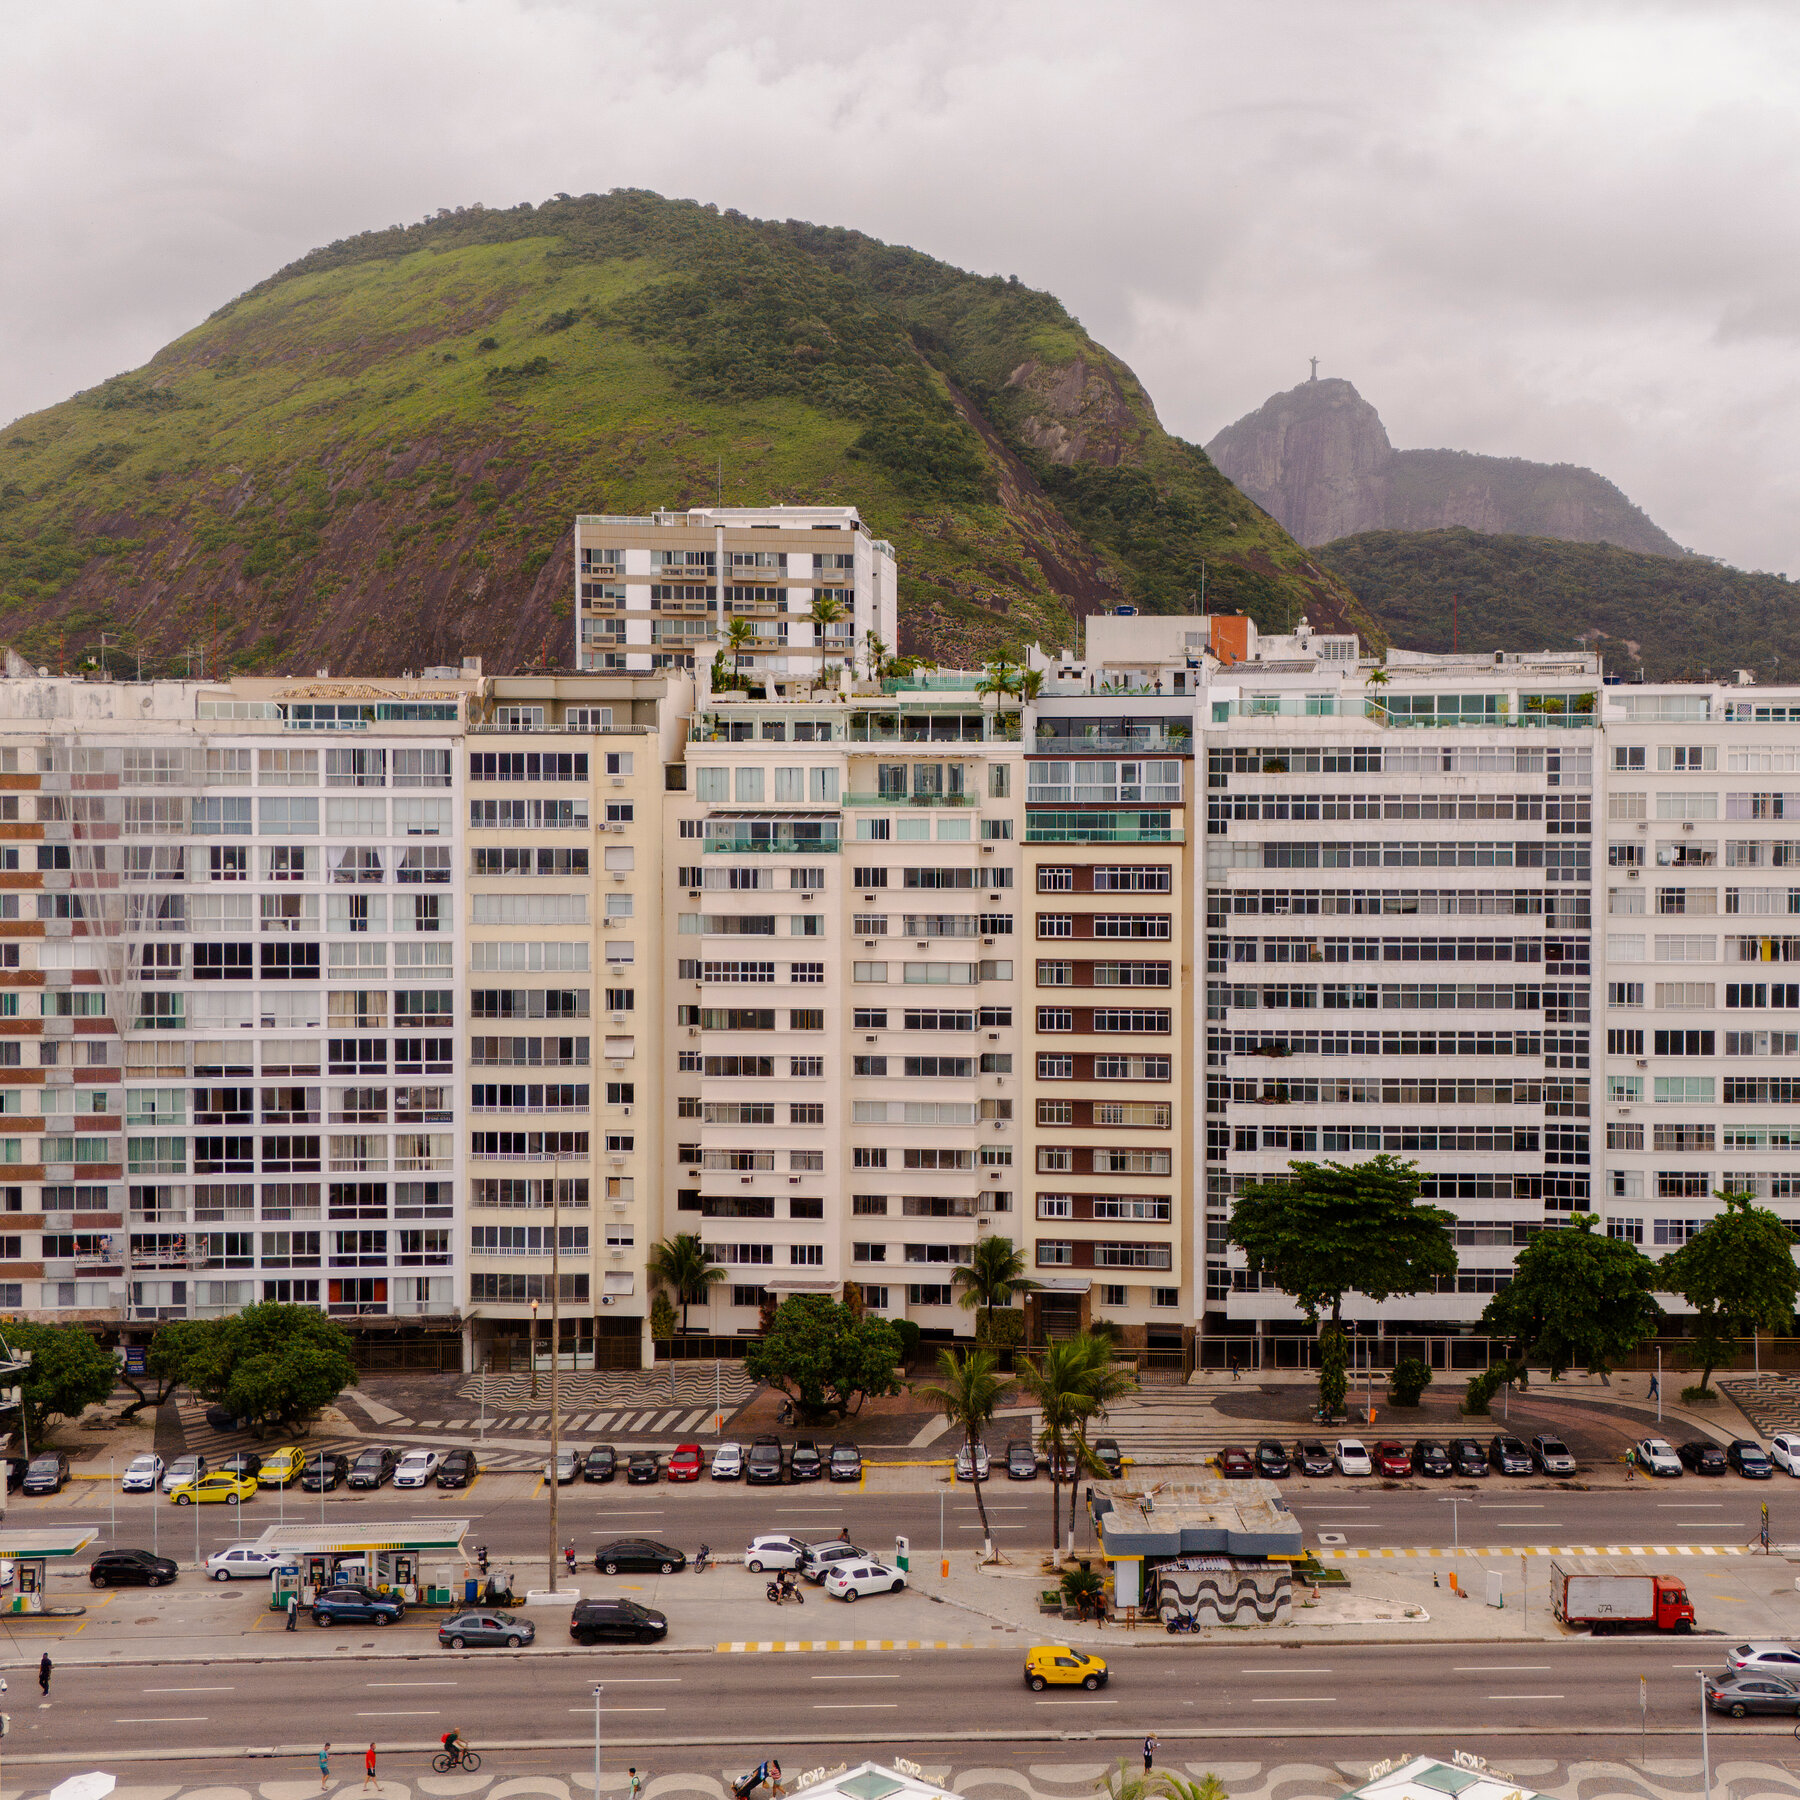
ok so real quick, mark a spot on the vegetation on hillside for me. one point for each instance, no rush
(1668, 617)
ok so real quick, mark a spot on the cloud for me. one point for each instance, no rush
(1569, 233)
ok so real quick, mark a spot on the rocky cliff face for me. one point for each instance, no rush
(1318, 459)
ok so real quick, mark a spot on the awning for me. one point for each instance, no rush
(1066, 1284)
(796, 1284)
(619, 1281)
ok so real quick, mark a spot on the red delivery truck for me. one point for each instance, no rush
(1605, 1598)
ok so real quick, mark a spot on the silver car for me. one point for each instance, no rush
(968, 1466)
(181, 1471)
(568, 1466)
(241, 1561)
(1768, 1654)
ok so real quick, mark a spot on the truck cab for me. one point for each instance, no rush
(1674, 1611)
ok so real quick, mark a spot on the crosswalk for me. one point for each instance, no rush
(682, 1384)
(602, 1427)
(1162, 1425)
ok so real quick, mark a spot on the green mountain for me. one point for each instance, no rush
(371, 459)
(1667, 616)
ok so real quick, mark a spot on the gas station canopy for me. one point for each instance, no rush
(25, 1546)
(421, 1536)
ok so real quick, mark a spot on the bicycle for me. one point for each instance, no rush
(444, 1762)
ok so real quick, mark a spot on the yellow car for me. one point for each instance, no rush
(283, 1467)
(218, 1486)
(1056, 1665)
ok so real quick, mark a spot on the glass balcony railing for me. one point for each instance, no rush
(1101, 828)
(898, 800)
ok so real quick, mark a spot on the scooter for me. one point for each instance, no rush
(703, 1559)
(1184, 1622)
(481, 1557)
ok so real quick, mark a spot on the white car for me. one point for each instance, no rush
(849, 1579)
(416, 1468)
(1767, 1656)
(774, 1552)
(568, 1467)
(1784, 1451)
(728, 1462)
(1656, 1456)
(241, 1560)
(181, 1471)
(1352, 1458)
(143, 1475)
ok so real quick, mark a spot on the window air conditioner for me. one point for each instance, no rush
(1687, 825)
(693, 893)
(870, 1038)
(693, 1031)
(868, 943)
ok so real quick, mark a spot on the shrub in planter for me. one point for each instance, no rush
(1410, 1378)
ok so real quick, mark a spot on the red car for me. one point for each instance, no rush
(1236, 1463)
(1392, 1459)
(684, 1463)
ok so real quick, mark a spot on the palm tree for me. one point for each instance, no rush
(1075, 1380)
(1178, 1787)
(1029, 685)
(966, 1395)
(992, 1276)
(1124, 1783)
(739, 634)
(827, 609)
(999, 679)
(679, 1262)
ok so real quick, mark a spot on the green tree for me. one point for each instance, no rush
(1334, 1365)
(739, 635)
(1576, 1297)
(662, 1317)
(994, 1273)
(1029, 685)
(69, 1372)
(1738, 1275)
(966, 1393)
(165, 1363)
(680, 1263)
(1073, 1381)
(827, 610)
(821, 1353)
(278, 1365)
(998, 679)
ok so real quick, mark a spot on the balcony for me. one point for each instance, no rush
(898, 800)
(1101, 828)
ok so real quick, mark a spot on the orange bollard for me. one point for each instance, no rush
(945, 1570)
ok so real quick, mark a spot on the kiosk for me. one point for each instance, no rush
(31, 1553)
(419, 1560)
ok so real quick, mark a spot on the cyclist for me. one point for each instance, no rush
(453, 1746)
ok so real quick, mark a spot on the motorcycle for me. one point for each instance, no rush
(783, 1587)
(703, 1559)
(481, 1557)
(1183, 1622)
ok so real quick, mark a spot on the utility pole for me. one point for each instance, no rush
(555, 1362)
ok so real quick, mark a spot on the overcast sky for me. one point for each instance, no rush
(1567, 232)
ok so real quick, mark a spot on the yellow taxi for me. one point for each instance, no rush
(283, 1467)
(1056, 1665)
(219, 1487)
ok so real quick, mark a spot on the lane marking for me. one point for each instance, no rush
(1527, 1696)
(643, 1681)
(1501, 1669)
(173, 1719)
(190, 1690)
(1284, 1671)
(1071, 1701)
(410, 1684)
(854, 1677)
(588, 1711)
(1296, 1700)
(399, 1715)
(857, 1706)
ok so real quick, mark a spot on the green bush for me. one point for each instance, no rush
(1332, 1379)
(908, 1334)
(662, 1318)
(1410, 1378)
(1003, 1328)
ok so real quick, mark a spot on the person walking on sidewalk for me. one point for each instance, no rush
(636, 1786)
(293, 1610)
(324, 1765)
(1150, 1749)
(1655, 1387)
(45, 1665)
(368, 1768)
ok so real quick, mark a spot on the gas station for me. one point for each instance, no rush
(420, 1561)
(31, 1553)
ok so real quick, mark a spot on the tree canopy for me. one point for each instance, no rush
(273, 1363)
(820, 1352)
(994, 1273)
(1738, 1275)
(966, 1392)
(1576, 1297)
(69, 1372)
(680, 1262)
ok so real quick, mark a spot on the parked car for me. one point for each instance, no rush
(373, 1468)
(764, 1466)
(1703, 1456)
(1271, 1460)
(1056, 1665)
(324, 1471)
(477, 1629)
(242, 1561)
(777, 1551)
(1750, 1459)
(849, 1579)
(1747, 1692)
(416, 1468)
(143, 1475)
(131, 1568)
(1432, 1460)
(245, 1462)
(1766, 1655)
(1021, 1462)
(846, 1463)
(1392, 1460)
(1352, 1458)
(457, 1469)
(1508, 1454)
(1061, 1465)
(1312, 1458)
(222, 1418)
(1236, 1463)
(1551, 1455)
(568, 1466)
(1784, 1451)
(638, 1553)
(967, 1464)
(219, 1488)
(805, 1463)
(728, 1463)
(47, 1473)
(642, 1469)
(820, 1559)
(615, 1621)
(282, 1467)
(1655, 1455)
(685, 1463)
(600, 1464)
(181, 1471)
(15, 1472)
(1469, 1457)
(1106, 1452)
(355, 1606)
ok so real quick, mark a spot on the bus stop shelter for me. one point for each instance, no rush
(419, 1560)
(31, 1553)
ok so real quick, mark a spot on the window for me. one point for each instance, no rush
(1056, 881)
(1683, 1090)
(1627, 993)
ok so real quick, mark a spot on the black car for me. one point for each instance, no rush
(15, 1472)
(486, 1627)
(222, 1418)
(457, 1469)
(615, 1621)
(644, 1554)
(355, 1606)
(1750, 1459)
(1106, 1452)
(806, 1464)
(846, 1463)
(47, 1473)
(1312, 1458)
(763, 1464)
(1021, 1462)
(643, 1468)
(246, 1462)
(1508, 1454)
(373, 1468)
(324, 1471)
(602, 1463)
(1703, 1456)
(1470, 1459)
(1431, 1459)
(1272, 1461)
(130, 1568)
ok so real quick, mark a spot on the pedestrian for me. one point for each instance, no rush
(45, 1665)
(369, 1768)
(324, 1765)
(637, 1787)
(1235, 1376)
(293, 1609)
(1655, 1387)
(1630, 1462)
(1150, 1748)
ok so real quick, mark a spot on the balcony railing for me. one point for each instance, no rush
(1101, 828)
(909, 799)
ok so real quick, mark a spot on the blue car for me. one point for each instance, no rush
(355, 1606)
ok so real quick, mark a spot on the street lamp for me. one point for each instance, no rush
(556, 1359)
(533, 1359)
(598, 1691)
(1705, 1745)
